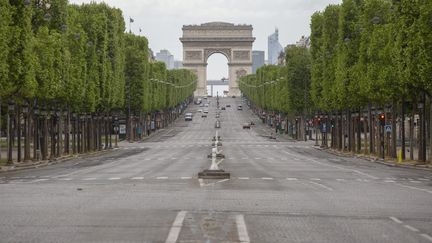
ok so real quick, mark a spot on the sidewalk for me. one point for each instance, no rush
(387, 161)
(36, 164)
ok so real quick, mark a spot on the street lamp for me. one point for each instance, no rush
(26, 132)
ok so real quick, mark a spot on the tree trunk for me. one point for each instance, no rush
(393, 135)
(26, 137)
(371, 130)
(430, 129)
(412, 131)
(18, 126)
(403, 128)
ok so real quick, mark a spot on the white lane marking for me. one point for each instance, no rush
(267, 178)
(423, 179)
(242, 229)
(415, 188)
(411, 228)
(321, 185)
(344, 169)
(340, 179)
(186, 178)
(161, 178)
(65, 179)
(389, 181)
(114, 178)
(243, 178)
(292, 179)
(427, 237)
(315, 179)
(147, 159)
(89, 179)
(257, 158)
(415, 181)
(176, 227)
(396, 220)
(137, 178)
(38, 180)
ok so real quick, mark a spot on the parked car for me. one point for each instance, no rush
(204, 115)
(205, 111)
(188, 117)
(223, 108)
(239, 107)
(200, 110)
(233, 96)
(228, 105)
(246, 125)
(206, 105)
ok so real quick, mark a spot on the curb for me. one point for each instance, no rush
(376, 160)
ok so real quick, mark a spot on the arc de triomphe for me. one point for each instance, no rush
(233, 41)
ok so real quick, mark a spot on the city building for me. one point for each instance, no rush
(304, 42)
(151, 56)
(178, 64)
(166, 57)
(258, 60)
(274, 48)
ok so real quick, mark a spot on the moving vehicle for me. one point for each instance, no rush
(239, 107)
(246, 125)
(188, 116)
(223, 108)
(228, 105)
(205, 111)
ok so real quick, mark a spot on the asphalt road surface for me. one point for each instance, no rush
(279, 191)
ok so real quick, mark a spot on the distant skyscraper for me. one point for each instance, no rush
(274, 48)
(166, 57)
(258, 60)
(178, 64)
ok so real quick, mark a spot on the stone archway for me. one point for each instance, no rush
(233, 41)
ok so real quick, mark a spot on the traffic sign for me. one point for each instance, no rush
(388, 128)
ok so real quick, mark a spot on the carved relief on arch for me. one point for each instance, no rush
(225, 51)
(241, 73)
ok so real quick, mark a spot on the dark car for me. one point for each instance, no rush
(223, 108)
(246, 125)
(239, 107)
(228, 105)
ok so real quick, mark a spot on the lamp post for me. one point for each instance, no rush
(422, 149)
(26, 132)
(36, 143)
(11, 110)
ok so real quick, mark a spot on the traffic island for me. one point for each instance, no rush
(214, 172)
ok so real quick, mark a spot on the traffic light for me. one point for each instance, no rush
(382, 119)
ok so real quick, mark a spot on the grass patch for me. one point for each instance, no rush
(3, 162)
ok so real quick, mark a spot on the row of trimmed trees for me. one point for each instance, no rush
(370, 78)
(69, 73)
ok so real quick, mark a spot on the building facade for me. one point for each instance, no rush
(258, 60)
(274, 48)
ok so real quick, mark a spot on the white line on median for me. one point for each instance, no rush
(114, 178)
(396, 220)
(267, 178)
(176, 227)
(137, 178)
(411, 228)
(243, 178)
(242, 229)
(186, 178)
(321, 185)
(292, 179)
(89, 179)
(161, 178)
(426, 236)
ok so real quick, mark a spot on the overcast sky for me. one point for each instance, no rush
(161, 21)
